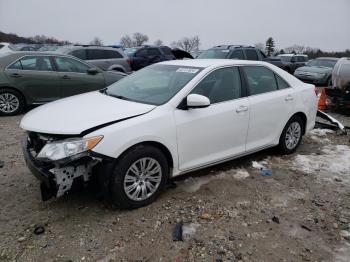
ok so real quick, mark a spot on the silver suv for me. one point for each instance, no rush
(106, 58)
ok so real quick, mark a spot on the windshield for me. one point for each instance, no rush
(322, 63)
(154, 84)
(214, 53)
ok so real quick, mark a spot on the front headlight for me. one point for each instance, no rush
(65, 148)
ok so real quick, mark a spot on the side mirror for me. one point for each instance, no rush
(197, 101)
(92, 71)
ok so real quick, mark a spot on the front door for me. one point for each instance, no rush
(217, 132)
(74, 77)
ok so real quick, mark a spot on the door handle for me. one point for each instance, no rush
(289, 98)
(15, 75)
(241, 109)
(65, 77)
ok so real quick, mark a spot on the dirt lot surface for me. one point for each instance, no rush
(230, 212)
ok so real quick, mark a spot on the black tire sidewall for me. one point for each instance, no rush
(282, 144)
(118, 195)
(20, 99)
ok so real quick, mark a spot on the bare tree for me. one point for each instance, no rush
(96, 41)
(260, 46)
(139, 39)
(158, 42)
(126, 41)
(187, 43)
(298, 49)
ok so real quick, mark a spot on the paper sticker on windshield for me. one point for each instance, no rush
(187, 70)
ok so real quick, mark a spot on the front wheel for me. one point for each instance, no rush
(139, 177)
(291, 135)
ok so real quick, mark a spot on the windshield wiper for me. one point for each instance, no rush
(118, 96)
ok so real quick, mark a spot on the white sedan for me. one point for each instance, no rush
(163, 121)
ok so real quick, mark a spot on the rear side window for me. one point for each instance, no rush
(221, 85)
(166, 50)
(153, 51)
(281, 83)
(39, 63)
(141, 53)
(237, 54)
(260, 79)
(110, 54)
(80, 53)
(251, 54)
(95, 54)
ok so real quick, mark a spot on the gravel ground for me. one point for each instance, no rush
(229, 212)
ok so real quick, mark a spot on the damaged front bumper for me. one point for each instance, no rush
(57, 176)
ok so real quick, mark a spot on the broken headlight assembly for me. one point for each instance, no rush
(58, 150)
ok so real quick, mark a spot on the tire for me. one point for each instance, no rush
(288, 146)
(11, 102)
(123, 178)
(118, 70)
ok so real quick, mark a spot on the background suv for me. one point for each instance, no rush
(293, 61)
(143, 56)
(240, 52)
(106, 58)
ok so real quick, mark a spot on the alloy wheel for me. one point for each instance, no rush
(9, 103)
(293, 135)
(142, 179)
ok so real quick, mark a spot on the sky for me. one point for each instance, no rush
(323, 24)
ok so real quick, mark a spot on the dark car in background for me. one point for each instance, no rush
(106, 58)
(28, 78)
(143, 56)
(317, 71)
(290, 62)
(241, 52)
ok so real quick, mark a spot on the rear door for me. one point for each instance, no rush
(207, 135)
(140, 59)
(98, 58)
(74, 77)
(35, 77)
(271, 103)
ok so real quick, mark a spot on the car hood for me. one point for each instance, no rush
(77, 114)
(314, 69)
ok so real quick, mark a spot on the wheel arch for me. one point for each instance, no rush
(303, 116)
(118, 68)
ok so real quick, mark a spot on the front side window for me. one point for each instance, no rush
(251, 54)
(37, 63)
(260, 79)
(65, 64)
(220, 86)
(95, 54)
(154, 84)
(238, 54)
(153, 52)
(79, 53)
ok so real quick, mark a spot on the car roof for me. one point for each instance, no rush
(292, 55)
(231, 46)
(211, 62)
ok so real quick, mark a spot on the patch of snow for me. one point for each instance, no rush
(189, 230)
(257, 165)
(333, 162)
(193, 184)
(320, 132)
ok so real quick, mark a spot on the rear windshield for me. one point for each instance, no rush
(154, 84)
(214, 53)
(322, 63)
(286, 58)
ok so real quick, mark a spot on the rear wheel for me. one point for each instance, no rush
(291, 135)
(11, 102)
(139, 177)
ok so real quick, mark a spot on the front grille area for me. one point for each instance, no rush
(36, 142)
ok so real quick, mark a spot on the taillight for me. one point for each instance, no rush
(316, 90)
(128, 61)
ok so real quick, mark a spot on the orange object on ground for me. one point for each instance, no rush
(322, 100)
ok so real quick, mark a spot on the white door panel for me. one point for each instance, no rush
(211, 134)
(268, 115)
